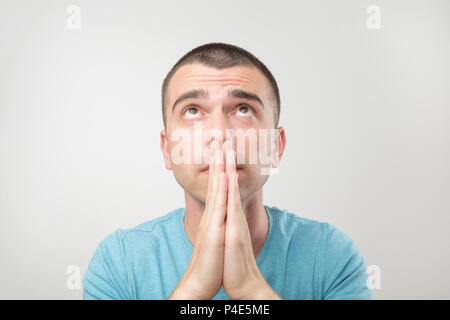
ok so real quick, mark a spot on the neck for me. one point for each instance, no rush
(254, 211)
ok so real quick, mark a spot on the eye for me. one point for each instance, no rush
(191, 113)
(244, 110)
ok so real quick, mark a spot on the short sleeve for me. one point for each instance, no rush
(106, 275)
(345, 275)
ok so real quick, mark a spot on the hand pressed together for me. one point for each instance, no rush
(223, 252)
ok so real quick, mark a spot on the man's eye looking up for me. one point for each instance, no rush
(191, 113)
(243, 111)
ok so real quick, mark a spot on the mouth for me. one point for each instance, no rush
(205, 170)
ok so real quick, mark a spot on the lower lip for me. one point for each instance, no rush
(207, 170)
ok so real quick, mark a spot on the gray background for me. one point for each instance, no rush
(366, 114)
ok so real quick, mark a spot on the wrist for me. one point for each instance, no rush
(186, 291)
(262, 291)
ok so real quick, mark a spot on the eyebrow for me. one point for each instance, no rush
(202, 93)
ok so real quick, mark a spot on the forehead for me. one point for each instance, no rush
(196, 76)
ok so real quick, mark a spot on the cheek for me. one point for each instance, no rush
(250, 181)
(180, 148)
(188, 146)
(254, 147)
(184, 174)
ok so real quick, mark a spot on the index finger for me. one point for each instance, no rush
(230, 158)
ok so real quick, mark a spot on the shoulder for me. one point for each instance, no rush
(337, 257)
(288, 220)
(156, 223)
(294, 225)
(145, 232)
(320, 238)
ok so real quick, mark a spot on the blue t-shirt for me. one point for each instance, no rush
(301, 259)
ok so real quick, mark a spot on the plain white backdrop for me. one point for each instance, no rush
(366, 114)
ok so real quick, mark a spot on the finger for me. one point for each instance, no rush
(217, 167)
(210, 199)
(235, 215)
(212, 153)
(219, 190)
(220, 205)
(230, 158)
(215, 180)
(234, 200)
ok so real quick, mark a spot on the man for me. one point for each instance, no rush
(219, 104)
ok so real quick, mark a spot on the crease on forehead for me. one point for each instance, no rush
(227, 76)
(196, 76)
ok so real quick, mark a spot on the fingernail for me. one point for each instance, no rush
(219, 156)
(229, 156)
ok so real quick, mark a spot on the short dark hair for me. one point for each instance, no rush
(220, 56)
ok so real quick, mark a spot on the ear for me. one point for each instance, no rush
(280, 146)
(165, 150)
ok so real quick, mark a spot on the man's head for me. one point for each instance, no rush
(222, 56)
(227, 92)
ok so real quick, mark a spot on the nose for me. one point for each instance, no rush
(216, 127)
